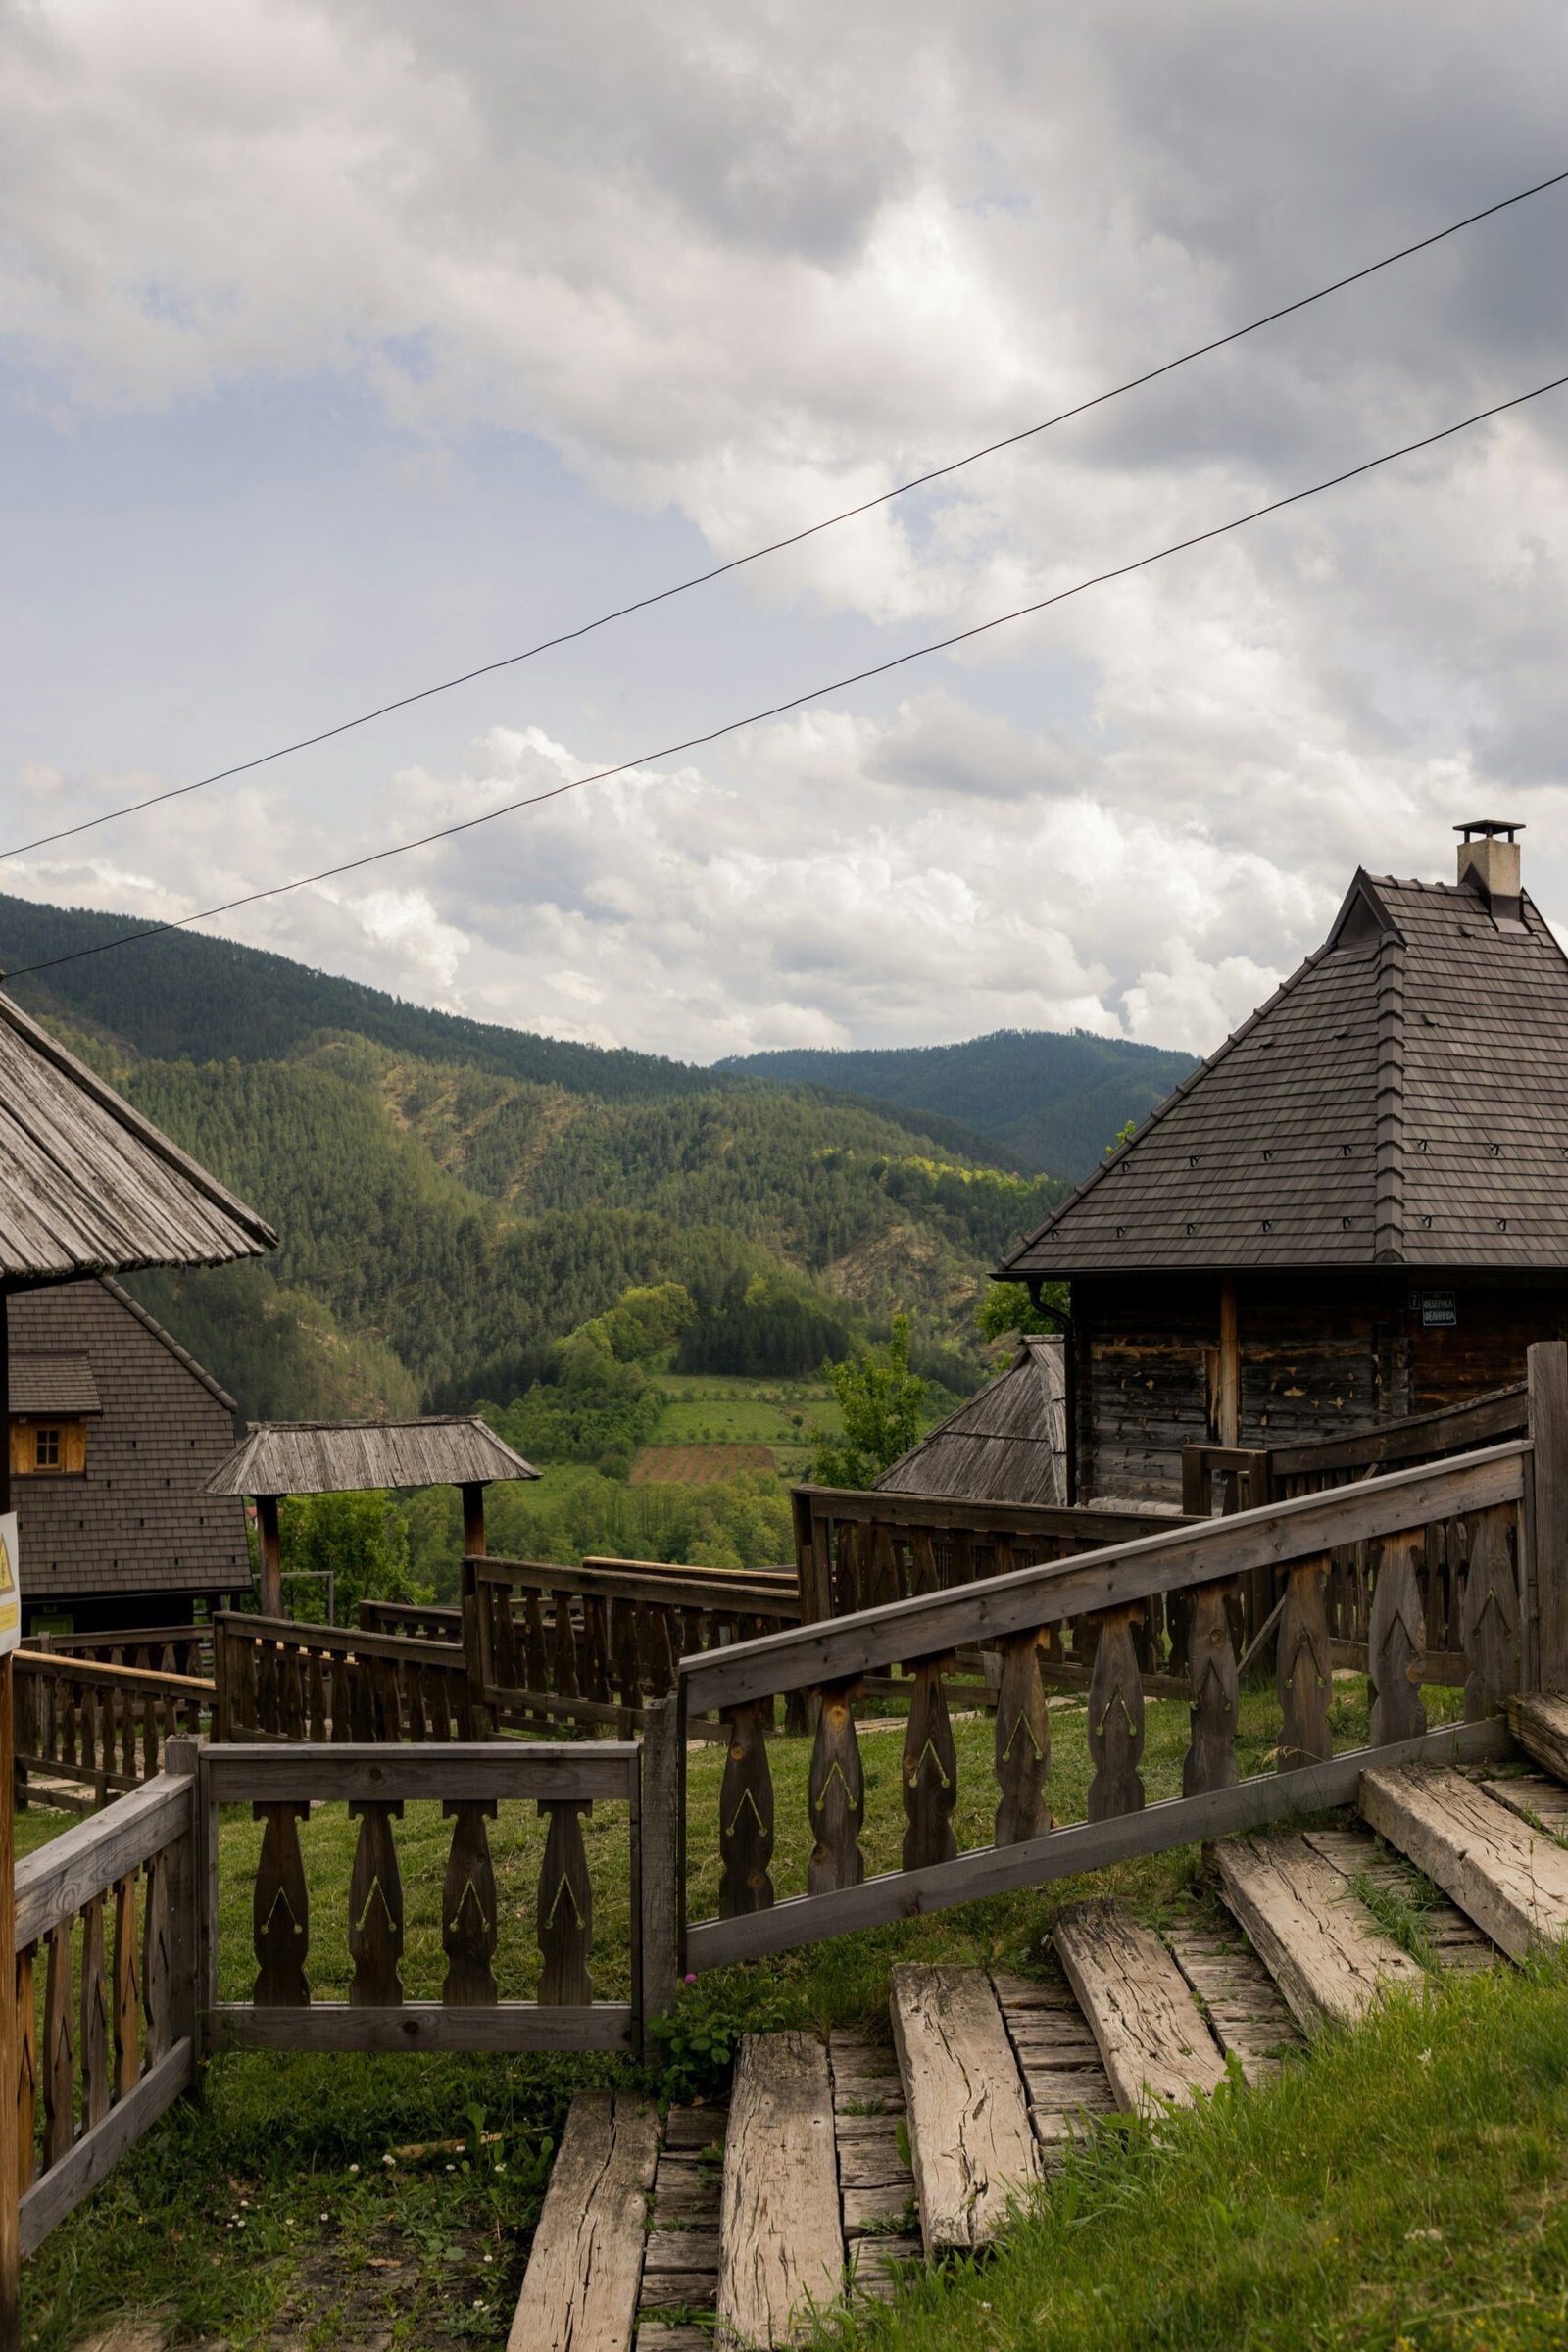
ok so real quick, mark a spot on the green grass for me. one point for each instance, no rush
(721, 1409)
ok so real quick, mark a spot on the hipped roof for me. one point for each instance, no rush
(1008, 1444)
(87, 1186)
(1403, 1100)
(349, 1458)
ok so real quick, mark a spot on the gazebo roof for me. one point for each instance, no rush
(1005, 1443)
(349, 1458)
(87, 1186)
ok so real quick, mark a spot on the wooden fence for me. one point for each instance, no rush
(279, 1679)
(1509, 1617)
(153, 1648)
(99, 1725)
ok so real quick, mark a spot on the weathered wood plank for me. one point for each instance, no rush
(1511, 1880)
(972, 2146)
(1241, 2000)
(579, 2294)
(780, 2245)
(1539, 1722)
(1157, 2048)
(1319, 1943)
(425, 2026)
(56, 1882)
(82, 2165)
(1396, 1642)
(356, 1772)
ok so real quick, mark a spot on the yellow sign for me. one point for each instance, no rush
(10, 1589)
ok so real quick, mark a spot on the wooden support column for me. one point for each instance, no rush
(9, 2136)
(1548, 1516)
(271, 1555)
(473, 1519)
(1230, 1365)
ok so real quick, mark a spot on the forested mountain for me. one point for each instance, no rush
(1043, 1097)
(446, 1214)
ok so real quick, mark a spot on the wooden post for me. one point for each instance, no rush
(1548, 1519)
(472, 1492)
(10, 2148)
(663, 1897)
(271, 1555)
(1230, 1365)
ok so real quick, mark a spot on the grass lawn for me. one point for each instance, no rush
(718, 1409)
(267, 2204)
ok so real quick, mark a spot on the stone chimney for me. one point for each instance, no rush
(1488, 862)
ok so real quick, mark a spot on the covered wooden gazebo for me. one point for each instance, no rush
(352, 1457)
(87, 1186)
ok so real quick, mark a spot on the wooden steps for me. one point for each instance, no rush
(1505, 1875)
(1539, 1724)
(781, 2247)
(580, 2290)
(1321, 1945)
(680, 2264)
(1362, 1859)
(1064, 2076)
(1156, 2047)
(876, 2186)
(971, 2142)
(1541, 1801)
(1241, 2000)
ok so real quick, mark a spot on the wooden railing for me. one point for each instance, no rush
(282, 1680)
(105, 1988)
(99, 1725)
(1106, 1598)
(154, 1648)
(288, 1786)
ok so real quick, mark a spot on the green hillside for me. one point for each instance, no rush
(1041, 1097)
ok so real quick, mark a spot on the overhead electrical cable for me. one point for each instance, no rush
(814, 694)
(773, 547)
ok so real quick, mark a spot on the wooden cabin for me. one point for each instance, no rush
(1358, 1208)
(115, 1431)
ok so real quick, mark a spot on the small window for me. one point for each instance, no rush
(46, 1446)
(48, 1449)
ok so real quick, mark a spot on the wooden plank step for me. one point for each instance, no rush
(1536, 1798)
(1064, 2076)
(1246, 2010)
(1318, 1941)
(1356, 1853)
(781, 2246)
(579, 2292)
(1510, 1879)
(1157, 2048)
(1539, 1721)
(971, 2143)
(876, 2265)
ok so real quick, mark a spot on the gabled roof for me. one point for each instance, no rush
(1006, 1443)
(1403, 1100)
(89, 1186)
(351, 1457)
(43, 1385)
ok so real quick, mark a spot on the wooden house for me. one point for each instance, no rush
(1358, 1208)
(115, 1431)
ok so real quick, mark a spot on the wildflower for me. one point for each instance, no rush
(388, 2158)
(1423, 2057)
(690, 1977)
(354, 2167)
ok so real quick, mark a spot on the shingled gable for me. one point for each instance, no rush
(1401, 1100)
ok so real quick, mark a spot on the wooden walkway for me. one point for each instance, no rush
(835, 2167)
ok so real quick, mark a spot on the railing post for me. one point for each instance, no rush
(187, 1885)
(1547, 1516)
(662, 1892)
(476, 1647)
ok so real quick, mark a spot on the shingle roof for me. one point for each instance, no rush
(1009, 1444)
(87, 1185)
(1402, 1099)
(348, 1457)
(53, 1384)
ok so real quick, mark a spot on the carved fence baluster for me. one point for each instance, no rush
(629, 1654)
(1396, 1646)
(27, 2067)
(361, 1699)
(1305, 1667)
(848, 1595)
(388, 1700)
(837, 1796)
(746, 1817)
(1115, 1716)
(1024, 1743)
(923, 1557)
(131, 1716)
(315, 1698)
(566, 1907)
(596, 1631)
(68, 1723)
(376, 1908)
(930, 1768)
(1210, 1759)
(1489, 1616)
(564, 1651)
(280, 1916)
(59, 2050)
(92, 2045)
(885, 1580)
(469, 1905)
(536, 1657)
(292, 1669)
(661, 1659)
(127, 1987)
(437, 1699)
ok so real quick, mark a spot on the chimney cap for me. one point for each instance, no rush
(1488, 827)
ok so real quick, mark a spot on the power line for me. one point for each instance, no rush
(734, 727)
(701, 579)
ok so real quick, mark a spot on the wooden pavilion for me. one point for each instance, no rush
(1358, 1208)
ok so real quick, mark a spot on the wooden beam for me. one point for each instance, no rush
(1157, 2048)
(472, 1492)
(579, 2294)
(1229, 1364)
(1502, 1874)
(502, 2026)
(1312, 1933)
(780, 2245)
(270, 1552)
(971, 2147)
(378, 1772)
(1548, 1382)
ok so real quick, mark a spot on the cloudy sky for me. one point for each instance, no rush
(343, 347)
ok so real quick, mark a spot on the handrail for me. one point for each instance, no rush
(336, 1640)
(66, 1666)
(628, 1580)
(53, 1884)
(1118, 1575)
(1499, 1414)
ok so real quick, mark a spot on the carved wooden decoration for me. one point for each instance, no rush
(628, 1655)
(376, 1908)
(596, 1630)
(536, 1656)
(156, 1961)
(59, 2050)
(280, 1918)
(317, 1697)
(362, 1703)
(1024, 1743)
(27, 2069)
(923, 1556)
(746, 1817)
(1210, 1759)
(92, 2043)
(837, 1794)
(1397, 1644)
(661, 1660)
(469, 1905)
(1115, 1716)
(1489, 1617)
(930, 1769)
(1306, 1667)
(564, 1649)
(566, 1907)
(128, 1988)
(887, 1583)
(293, 1695)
